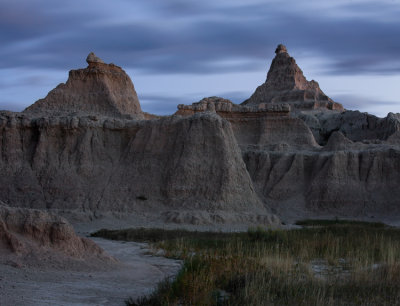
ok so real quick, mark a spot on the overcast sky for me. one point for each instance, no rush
(179, 51)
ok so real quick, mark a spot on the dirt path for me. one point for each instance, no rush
(137, 275)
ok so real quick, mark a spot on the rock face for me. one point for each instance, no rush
(288, 150)
(305, 154)
(227, 109)
(360, 182)
(118, 165)
(40, 236)
(100, 89)
(354, 125)
(286, 84)
(264, 125)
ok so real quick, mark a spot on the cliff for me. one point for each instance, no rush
(287, 150)
(161, 167)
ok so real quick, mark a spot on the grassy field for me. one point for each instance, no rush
(342, 263)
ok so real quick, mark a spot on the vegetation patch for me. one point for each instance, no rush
(158, 235)
(335, 264)
(336, 221)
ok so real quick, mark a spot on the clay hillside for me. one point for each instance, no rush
(286, 153)
(30, 237)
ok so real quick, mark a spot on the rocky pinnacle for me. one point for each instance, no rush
(92, 58)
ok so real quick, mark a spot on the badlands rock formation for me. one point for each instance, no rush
(100, 89)
(316, 159)
(355, 125)
(286, 83)
(266, 125)
(289, 150)
(34, 237)
(110, 164)
(177, 169)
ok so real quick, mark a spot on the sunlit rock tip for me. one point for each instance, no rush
(100, 89)
(93, 58)
(286, 83)
(280, 49)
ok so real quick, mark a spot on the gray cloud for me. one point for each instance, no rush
(358, 102)
(11, 106)
(162, 104)
(167, 105)
(186, 37)
(178, 36)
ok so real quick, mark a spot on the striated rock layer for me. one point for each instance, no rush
(161, 167)
(286, 83)
(265, 125)
(288, 150)
(100, 89)
(355, 125)
(350, 181)
(305, 154)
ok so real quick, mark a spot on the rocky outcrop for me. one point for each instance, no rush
(289, 150)
(286, 84)
(339, 142)
(93, 59)
(227, 109)
(265, 125)
(354, 125)
(316, 158)
(41, 236)
(100, 89)
(350, 183)
(117, 165)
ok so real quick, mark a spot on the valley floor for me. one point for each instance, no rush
(136, 275)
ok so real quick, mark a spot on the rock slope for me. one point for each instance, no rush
(286, 83)
(355, 125)
(100, 89)
(162, 167)
(34, 237)
(314, 158)
(289, 149)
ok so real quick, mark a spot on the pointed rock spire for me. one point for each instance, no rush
(286, 84)
(281, 48)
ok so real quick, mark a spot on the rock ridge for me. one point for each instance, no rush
(123, 165)
(288, 151)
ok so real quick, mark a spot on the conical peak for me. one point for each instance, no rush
(281, 49)
(92, 58)
(284, 74)
(286, 83)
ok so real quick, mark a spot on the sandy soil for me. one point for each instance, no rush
(135, 275)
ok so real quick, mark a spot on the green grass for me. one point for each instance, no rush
(361, 266)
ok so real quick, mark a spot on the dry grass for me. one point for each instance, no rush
(340, 264)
